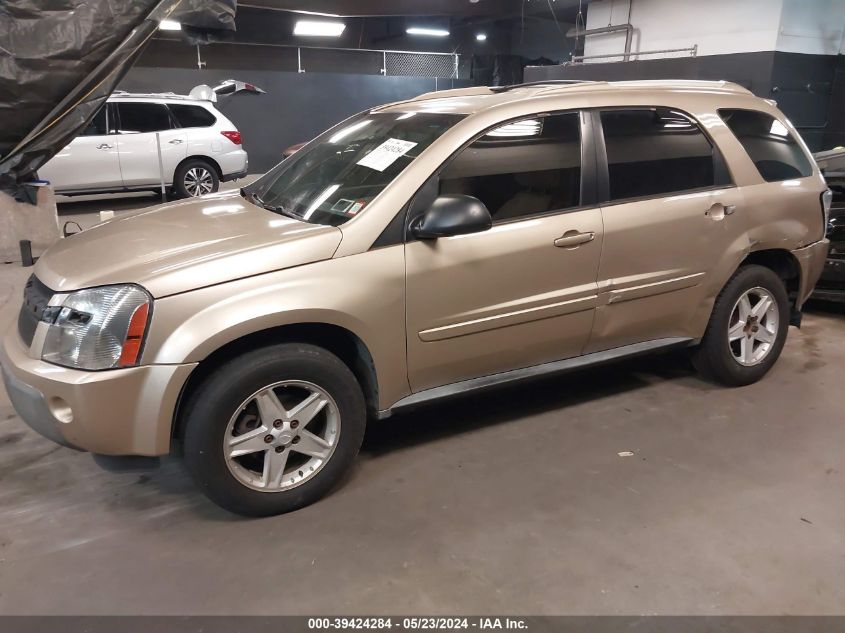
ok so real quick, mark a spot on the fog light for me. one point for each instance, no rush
(61, 410)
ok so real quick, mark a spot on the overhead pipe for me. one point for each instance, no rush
(629, 35)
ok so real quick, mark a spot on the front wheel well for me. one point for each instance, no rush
(341, 342)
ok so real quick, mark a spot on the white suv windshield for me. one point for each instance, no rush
(335, 178)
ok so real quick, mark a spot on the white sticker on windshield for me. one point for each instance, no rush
(386, 154)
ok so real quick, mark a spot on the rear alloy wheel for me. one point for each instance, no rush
(747, 328)
(195, 178)
(753, 326)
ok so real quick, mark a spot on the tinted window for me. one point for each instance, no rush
(97, 127)
(773, 149)
(655, 151)
(522, 168)
(143, 117)
(192, 116)
(337, 176)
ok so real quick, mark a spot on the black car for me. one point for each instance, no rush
(831, 285)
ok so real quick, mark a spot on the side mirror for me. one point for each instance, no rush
(452, 215)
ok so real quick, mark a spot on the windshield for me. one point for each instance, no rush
(335, 178)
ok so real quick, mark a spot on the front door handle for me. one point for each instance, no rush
(718, 211)
(104, 146)
(571, 239)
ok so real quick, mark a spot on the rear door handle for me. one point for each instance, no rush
(571, 239)
(176, 141)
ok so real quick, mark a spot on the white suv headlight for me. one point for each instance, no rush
(98, 328)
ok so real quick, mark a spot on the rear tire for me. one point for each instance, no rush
(274, 429)
(747, 329)
(195, 178)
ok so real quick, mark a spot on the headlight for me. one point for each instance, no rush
(98, 328)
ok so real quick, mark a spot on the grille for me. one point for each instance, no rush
(36, 296)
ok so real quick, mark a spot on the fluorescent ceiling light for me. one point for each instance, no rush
(318, 28)
(169, 25)
(528, 127)
(481, 37)
(416, 30)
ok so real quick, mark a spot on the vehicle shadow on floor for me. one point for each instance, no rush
(443, 419)
(464, 414)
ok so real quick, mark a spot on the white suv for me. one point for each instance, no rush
(118, 152)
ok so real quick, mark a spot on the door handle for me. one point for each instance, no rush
(571, 239)
(718, 211)
(176, 141)
(104, 146)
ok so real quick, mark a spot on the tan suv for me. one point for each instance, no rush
(433, 247)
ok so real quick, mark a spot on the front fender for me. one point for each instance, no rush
(363, 293)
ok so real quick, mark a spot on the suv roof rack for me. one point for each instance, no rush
(547, 82)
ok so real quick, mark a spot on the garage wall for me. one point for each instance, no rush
(786, 50)
(297, 106)
(717, 26)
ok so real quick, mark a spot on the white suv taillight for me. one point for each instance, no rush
(235, 136)
(827, 201)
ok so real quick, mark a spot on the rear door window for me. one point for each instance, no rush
(137, 118)
(655, 152)
(523, 168)
(775, 152)
(192, 115)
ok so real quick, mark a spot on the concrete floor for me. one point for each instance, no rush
(514, 502)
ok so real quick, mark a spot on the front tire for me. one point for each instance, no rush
(195, 178)
(274, 429)
(747, 328)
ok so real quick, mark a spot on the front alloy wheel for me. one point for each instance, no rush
(273, 429)
(282, 435)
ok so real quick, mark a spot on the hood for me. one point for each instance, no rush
(185, 245)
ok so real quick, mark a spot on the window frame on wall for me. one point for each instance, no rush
(427, 193)
(722, 177)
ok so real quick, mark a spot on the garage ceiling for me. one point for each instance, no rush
(564, 9)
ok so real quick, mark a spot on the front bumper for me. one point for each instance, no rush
(115, 412)
(811, 259)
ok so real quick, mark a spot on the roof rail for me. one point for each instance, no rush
(547, 82)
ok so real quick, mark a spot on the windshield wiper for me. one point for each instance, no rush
(274, 208)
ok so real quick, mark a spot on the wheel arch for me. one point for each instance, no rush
(783, 263)
(344, 343)
(786, 266)
(204, 158)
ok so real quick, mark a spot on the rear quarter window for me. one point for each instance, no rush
(192, 116)
(769, 144)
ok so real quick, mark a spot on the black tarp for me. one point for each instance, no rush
(61, 59)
